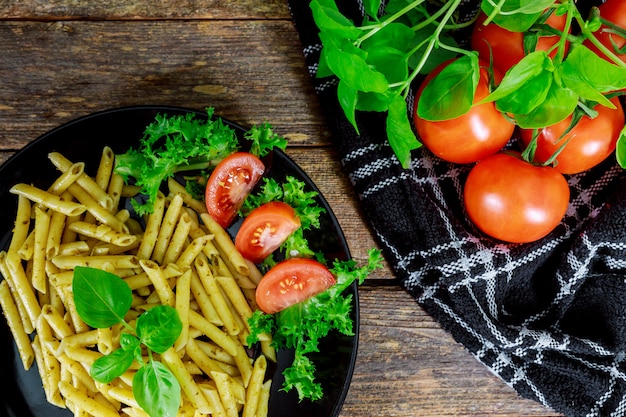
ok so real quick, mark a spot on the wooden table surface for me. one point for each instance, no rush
(62, 59)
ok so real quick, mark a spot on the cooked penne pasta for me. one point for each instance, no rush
(85, 182)
(170, 219)
(24, 347)
(103, 233)
(46, 199)
(226, 245)
(22, 224)
(176, 256)
(67, 178)
(186, 381)
(42, 226)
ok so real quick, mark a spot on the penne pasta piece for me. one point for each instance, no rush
(177, 188)
(82, 400)
(11, 313)
(105, 168)
(213, 397)
(192, 250)
(116, 184)
(102, 214)
(118, 261)
(253, 393)
(162, 287)
(67, 178)
(213, 332)
(178, 240)
(55, 233)
(153, 225)
(22, 224)
(84, 181)
(204, 362)
(212, 289)
(186, 381)
(264, 399)
(103, 233)
(226, 246)
(170, 219)
(243, 362)
(42, 226)
(56, 322)
(204, 302)
(183, 297)
(49, 200)
(226, 394)
(23, 287)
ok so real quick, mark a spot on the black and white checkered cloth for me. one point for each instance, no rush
(549, 317)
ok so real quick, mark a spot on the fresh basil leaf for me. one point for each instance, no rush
(329, 19)
(399, 132)
(451, 93)
(620, 150)
(347, 100)
(129, 341)
(528, 68)
(519, 15)
(371, 7)
(391, 62)
(102, 299)
(559, 103)
(348, 63)
(589, 75)
(437, 56)
(378, 102)
(159, 327)
(106, 368)
(393, 35)
(323, 70)
(157, 390)
(528, 96)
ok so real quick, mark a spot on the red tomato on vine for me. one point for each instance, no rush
(477, 134)
(590, 142)
(615, 12)
(507, 48)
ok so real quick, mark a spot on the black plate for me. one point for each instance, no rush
(83, 140)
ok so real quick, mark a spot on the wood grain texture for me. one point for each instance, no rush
(146, 9)
(250, 71)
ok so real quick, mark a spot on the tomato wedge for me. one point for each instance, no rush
(229, 185)
(290, 282)
(265, 229)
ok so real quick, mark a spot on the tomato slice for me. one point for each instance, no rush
(265, 229)
(230, 183)
(290, 282)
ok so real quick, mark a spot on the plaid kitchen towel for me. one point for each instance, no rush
(548, 317)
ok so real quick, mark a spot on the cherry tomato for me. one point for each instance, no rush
(265, 229)
(514, 201)
(589, 142)
(229, 185)
(615, 12)
(290, 282)
(477, 134)
(507, 48)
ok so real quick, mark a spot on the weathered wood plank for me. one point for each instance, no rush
(63, 70)
(149, 9)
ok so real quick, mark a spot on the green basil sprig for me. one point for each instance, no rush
(102, 300)
(378, 59)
